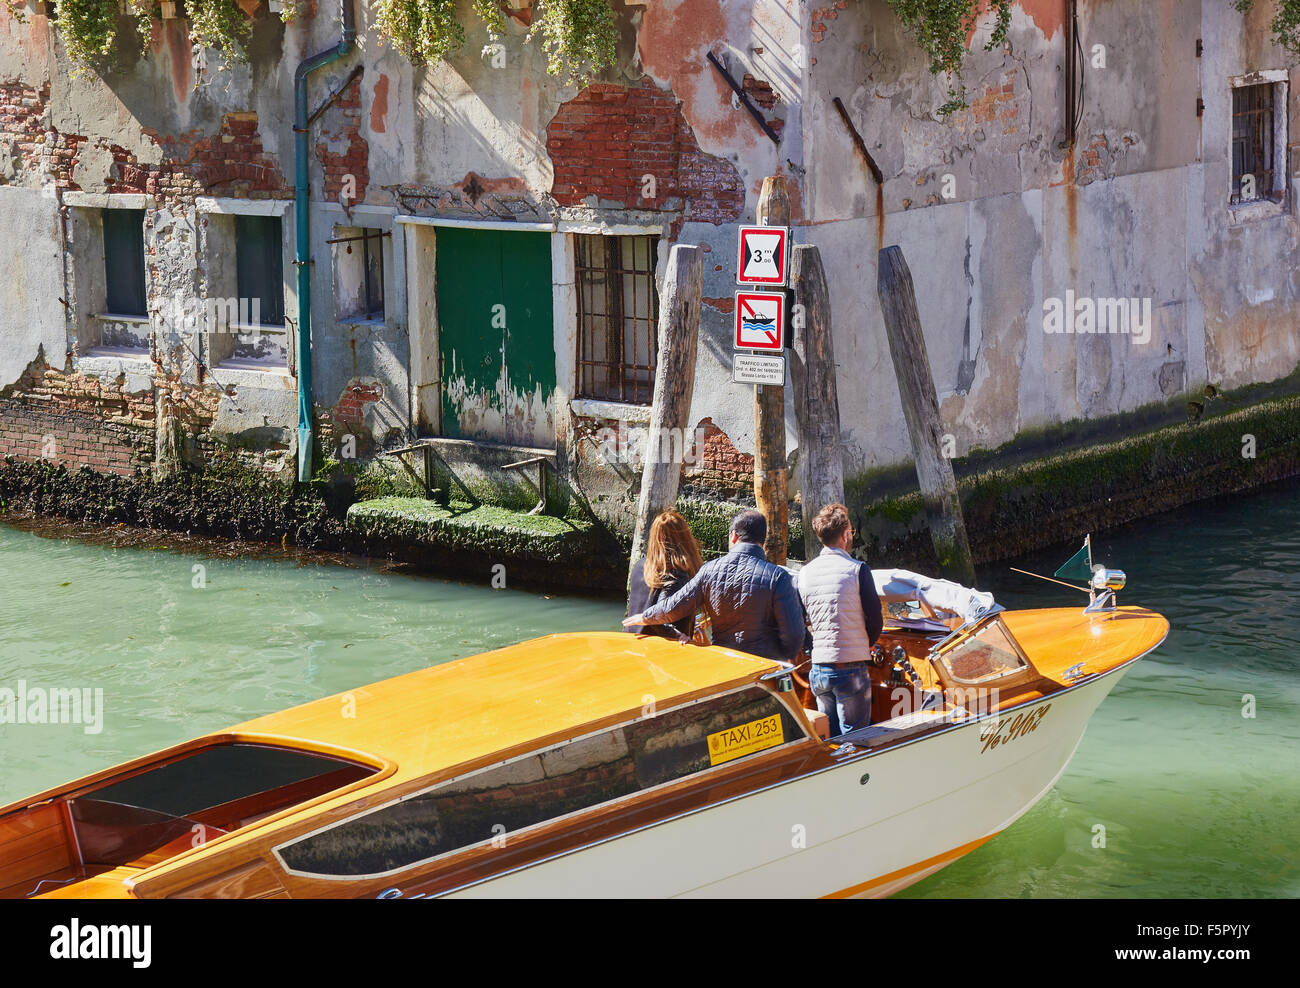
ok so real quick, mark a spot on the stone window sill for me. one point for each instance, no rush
(596, 409)
(237, 373)
(112, 360)
(1260, 209)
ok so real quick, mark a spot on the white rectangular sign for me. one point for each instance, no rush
(758, 368)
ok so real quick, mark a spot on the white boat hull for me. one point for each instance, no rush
(925, 804)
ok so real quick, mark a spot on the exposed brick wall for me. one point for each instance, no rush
(997, 102)
(354, 157)
(83, 420)
(607, 139)
(721, 469)
(759, 90)
(22, 116)
(230, 162)
(77, 421)
(347, 418)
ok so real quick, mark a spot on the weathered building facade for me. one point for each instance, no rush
(486, 242)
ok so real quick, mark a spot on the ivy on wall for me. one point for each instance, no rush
(1286, 22)
(941, 28)
(92, 30)
(579, 37)
(219, 25)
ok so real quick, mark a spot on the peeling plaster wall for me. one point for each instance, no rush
(33, 321)
(1137, 209)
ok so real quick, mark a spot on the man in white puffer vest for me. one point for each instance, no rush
(839, 597)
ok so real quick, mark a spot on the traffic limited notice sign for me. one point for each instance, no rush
(758, 368)
(762, 258)
(760, 320)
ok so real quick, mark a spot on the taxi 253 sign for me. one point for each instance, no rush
(760, 320)
(745, 739)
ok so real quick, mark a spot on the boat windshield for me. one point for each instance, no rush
(180, 804)
(986, 654)
(117, 834)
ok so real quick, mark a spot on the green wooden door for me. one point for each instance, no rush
(495, 335)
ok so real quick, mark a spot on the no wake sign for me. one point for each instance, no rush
(760, 320)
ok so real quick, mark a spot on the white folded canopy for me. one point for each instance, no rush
(945, 598)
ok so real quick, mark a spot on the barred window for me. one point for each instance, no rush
(1253, 136)
(618, 313)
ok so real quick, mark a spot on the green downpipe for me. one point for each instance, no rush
(303, 222)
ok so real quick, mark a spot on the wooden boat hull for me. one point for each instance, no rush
(922, 806)
(396, 803)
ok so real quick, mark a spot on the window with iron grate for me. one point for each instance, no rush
(1254, 142)
(618, 312)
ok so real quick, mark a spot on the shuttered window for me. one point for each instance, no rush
(260, 268)
(124, 262)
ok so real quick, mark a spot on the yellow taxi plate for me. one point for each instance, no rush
(746, 739)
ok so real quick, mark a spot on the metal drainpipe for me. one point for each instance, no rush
(303, 254)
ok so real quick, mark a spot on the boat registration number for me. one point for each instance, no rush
(746, 739)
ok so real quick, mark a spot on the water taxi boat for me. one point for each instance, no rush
(599, 764)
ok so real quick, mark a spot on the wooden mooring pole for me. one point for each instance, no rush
(921, 410)
(668, 442)
(771, 475)
(816, 399)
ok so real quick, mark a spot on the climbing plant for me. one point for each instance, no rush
(941, 28)
(1286, 22)
(219, 25)
(579, 37)
(422, 30)
(89, 28)
(91, 33)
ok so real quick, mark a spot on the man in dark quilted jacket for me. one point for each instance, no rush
(753, 604)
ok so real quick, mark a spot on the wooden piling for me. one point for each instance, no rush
(771, 475)
(679, 331)
(921, 410)
(816, 399)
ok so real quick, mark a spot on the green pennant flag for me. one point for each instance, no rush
(1076, 567)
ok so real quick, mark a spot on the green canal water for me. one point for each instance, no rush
(1188, 796)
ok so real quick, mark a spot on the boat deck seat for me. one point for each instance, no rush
(876, 735)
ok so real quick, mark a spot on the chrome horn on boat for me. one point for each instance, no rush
(1105, 583)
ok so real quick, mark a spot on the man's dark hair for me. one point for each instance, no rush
(750, 526)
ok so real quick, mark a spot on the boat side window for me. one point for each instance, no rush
(988, 654)
(547, 785)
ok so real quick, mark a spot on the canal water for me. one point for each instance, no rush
(1186, 784)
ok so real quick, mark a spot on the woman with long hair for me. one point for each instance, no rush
(672, 557)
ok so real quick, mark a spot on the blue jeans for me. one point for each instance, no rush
(843, 694)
